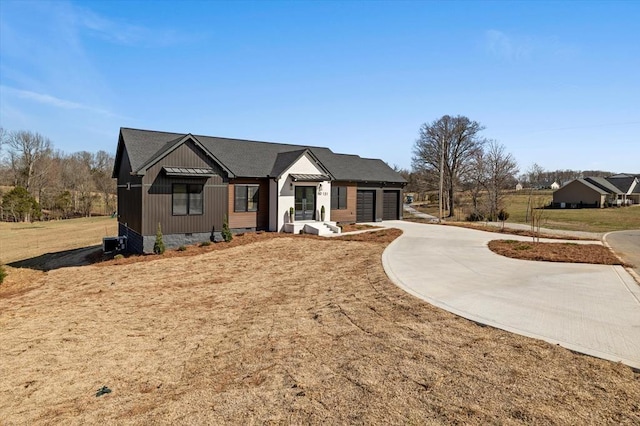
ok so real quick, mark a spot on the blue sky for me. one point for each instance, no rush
(558, 83)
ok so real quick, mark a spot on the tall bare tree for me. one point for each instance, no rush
(28, 153)
(447, 146)
(101, 175)
(500, 169)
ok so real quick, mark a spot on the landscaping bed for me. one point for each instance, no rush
(555, 252)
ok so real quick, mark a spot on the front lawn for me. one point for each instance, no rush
(281, 330)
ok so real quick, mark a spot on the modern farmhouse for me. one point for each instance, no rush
(190, 184)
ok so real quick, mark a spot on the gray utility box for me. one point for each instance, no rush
(114, 244)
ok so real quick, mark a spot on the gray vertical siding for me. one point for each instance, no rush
(129, 197)
(157, 195)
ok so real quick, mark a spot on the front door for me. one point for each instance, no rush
(305, 202)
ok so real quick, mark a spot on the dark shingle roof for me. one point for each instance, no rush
(622, 183)
(602, 183)
(244, 158)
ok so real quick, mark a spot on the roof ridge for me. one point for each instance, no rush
(225, 138)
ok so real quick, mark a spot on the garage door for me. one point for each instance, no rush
(390, 205)
(365, 202)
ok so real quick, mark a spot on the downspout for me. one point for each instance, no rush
(277, 204)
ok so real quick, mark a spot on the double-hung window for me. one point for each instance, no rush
(187, 199)
(246, 198)
(338, 197)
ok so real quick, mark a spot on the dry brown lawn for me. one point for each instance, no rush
(280, 330)
(349, 227)
(555, 252)
(20, 241)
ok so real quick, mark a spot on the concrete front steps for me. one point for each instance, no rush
(312, 227)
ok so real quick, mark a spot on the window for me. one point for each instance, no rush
(338, 197)
(246, 198)
(187, 199)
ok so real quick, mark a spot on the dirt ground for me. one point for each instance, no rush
(279, 330)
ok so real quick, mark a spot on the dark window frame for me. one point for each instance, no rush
(190, 188)
(338, 197)
(241, 201)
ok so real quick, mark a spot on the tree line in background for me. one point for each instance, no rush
(451, 149)
(40, 182)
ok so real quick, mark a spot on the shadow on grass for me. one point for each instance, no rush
(61, 259)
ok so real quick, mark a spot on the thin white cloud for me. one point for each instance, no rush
(507, 47)
(45, 99)
(120, 32)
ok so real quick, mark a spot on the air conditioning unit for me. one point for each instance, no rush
(114, 244)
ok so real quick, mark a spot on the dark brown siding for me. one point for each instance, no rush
(258, 220)
(129, 196)
(347, 215)
(157, 197)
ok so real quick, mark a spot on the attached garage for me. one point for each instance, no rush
(390, 205)
(365, 202)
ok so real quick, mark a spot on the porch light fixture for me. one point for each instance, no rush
(320, 188)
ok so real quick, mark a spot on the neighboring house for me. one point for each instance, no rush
(629, 185)
(617, 190)
(189, 184)
(518, 187)
(555, 185)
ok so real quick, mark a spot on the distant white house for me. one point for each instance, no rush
(518, 187)
(555, 185)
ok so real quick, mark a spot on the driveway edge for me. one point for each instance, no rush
(486, 321)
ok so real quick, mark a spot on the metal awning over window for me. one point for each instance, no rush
(188, 172)
(308, 178)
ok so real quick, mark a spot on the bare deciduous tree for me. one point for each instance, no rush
(499, 170)
(28, 153)
(101, 174)
(451, 141)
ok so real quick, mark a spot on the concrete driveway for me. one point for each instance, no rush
(626, 244)
(593, 309)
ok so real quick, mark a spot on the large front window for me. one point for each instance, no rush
(187, 199)
(246, 198)
(338, 197)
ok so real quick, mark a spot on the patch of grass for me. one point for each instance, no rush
(586, 220)
(182, 248)
(555, 252)
(27, 240)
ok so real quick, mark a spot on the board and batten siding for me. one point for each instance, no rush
(129, 195)
(347, 215)
(157, 194)
(258, 220)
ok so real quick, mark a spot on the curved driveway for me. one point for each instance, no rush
(627, 245)
(593, 309)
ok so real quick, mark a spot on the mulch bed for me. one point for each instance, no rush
(555, 252)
